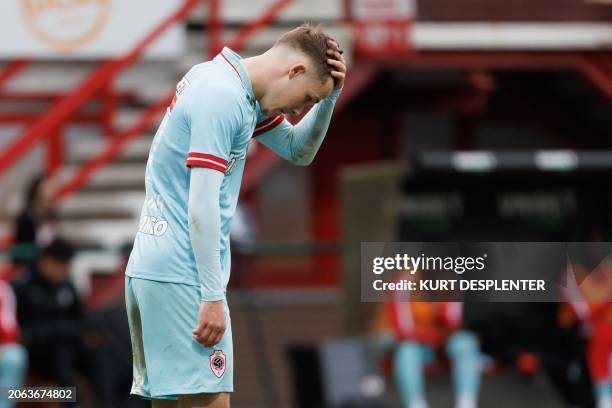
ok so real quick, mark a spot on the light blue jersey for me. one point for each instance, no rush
(176, 263)
(209, 124)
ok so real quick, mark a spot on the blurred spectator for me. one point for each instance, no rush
(33, 226)
(107, 342)
(596, 319)
(599, 351)
(600, 356)
(108, 352)
(49, 313)
(418, 330)
(510, 331)
(13, 357)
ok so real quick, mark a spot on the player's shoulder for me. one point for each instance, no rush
(215, 94)
(209, 79)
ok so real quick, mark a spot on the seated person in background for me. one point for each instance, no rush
(34, 225)
(418, 330)
(106, 339)
(49, 313)
(13, 357)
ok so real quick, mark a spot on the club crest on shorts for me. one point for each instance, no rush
(217, 363)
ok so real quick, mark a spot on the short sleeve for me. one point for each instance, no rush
(214, 116)
(266, 124)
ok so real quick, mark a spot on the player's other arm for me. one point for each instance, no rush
(298, 144)
(205, 230)
(214, 116)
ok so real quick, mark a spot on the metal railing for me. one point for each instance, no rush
(47, 127)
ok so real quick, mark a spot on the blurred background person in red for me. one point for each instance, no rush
(596, 319)
(13, 356)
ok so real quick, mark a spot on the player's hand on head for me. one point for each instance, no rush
(211, 323)
(337, 62)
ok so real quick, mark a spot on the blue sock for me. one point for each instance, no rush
(13, 365)
(408, 364)
(463, 350)
(603, 394)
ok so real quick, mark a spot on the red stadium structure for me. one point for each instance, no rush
(422, 74)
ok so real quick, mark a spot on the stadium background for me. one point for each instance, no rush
(525, 84)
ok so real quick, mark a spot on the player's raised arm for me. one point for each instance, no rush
(314, 75)
(299, 144)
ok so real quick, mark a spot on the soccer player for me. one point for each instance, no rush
(178, 271)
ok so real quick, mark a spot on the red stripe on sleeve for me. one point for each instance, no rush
(214, 158)
(265, 122)
(268, 125)
(206, 160)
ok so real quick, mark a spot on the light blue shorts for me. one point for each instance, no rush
(167, 361)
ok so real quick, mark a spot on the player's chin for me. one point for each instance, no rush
(270, 112)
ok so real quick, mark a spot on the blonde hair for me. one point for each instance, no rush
(312, 42)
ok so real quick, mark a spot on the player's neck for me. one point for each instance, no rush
(256, 69)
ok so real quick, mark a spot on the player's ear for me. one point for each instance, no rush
(296, 69)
